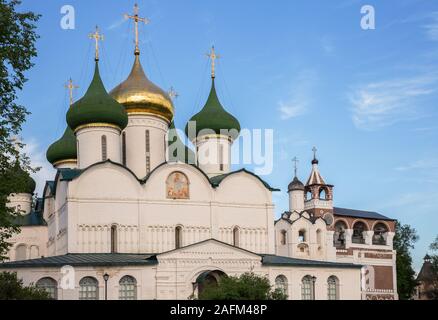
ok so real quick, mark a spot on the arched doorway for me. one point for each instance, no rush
(208, 278)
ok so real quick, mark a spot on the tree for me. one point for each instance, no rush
(247, 286)
(434, 257)
(404, 240)
(12, 288)
(17, 48)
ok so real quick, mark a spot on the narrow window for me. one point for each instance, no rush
(332, 288)
(113, 239)
(308, 288)
(124, 148)
(221, 157)
(148, 154)
(283, 237)
(77, 149)
(281, 284)
(236, 236)
(302, 236)
(104, 148)
(178, 237)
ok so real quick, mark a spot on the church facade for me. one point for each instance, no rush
(133, 213)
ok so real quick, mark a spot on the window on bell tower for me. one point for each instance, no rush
(148, 152)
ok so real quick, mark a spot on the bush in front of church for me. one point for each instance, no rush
(12, 288)
(247, 286)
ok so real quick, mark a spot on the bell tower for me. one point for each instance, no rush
(318, 194)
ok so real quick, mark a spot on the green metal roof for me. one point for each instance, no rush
(213, 116)
(279, 261)
(96, 106)
(84, 260)
(216, 181)
(64, 148)
(30, 220)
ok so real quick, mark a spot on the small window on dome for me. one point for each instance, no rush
(104, 148)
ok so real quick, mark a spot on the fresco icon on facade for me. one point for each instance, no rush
(177, 186)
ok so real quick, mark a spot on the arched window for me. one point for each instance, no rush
(236, 233)
(21, 252)
(358, 232)
(309, 195)
(339, 234)
(283, 237)
(49, 285)
(308, 288)
(380, 233)
(178, 237)
(113, 238)
(88, 289)
(323, 194)
(302, 235)
(128, 288)
(281, 283)
(124, 148)
(34, 252)
(104, 148)
(148, 151)
(332, 288)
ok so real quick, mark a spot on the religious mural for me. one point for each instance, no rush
(177, 186)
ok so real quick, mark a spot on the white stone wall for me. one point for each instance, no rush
(212, 151)
(22, 202)
(136, 143)
(33, 239)
(90, 145)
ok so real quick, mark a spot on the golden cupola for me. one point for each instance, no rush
(139, 95)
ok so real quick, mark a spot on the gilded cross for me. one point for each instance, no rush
(295, 161)
(70, 86)
(136, 19)
(172, 93)
(97, 37)
(213, 56)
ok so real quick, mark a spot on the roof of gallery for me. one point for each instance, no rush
(359, 214)
(129, 259)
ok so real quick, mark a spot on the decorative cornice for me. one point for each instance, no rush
(98, 125)
(66, 161)
(145, 112)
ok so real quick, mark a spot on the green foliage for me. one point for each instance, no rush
(404, 240)
(434, 257)
(17, 48)
(247, 286)
(12, 288)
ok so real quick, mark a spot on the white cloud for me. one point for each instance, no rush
(38, 159)
(299, 97)
(116, 24)
(431, 28)
(427, 164)
(380, 104)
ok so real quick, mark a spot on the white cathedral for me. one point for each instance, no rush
(133, 213)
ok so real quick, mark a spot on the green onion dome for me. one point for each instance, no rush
(213, 116)
(63, 149)
(22, 182)
(177, 150)
(96, 107)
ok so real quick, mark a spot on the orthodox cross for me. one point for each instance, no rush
(295, 161)
(213, 56)
(314, 152)
(97, 37)
(70, 86)
(172, 93)
(136, 19)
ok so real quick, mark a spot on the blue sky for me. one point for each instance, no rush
(365, 98)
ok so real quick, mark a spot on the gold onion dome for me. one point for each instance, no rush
(139, 95)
